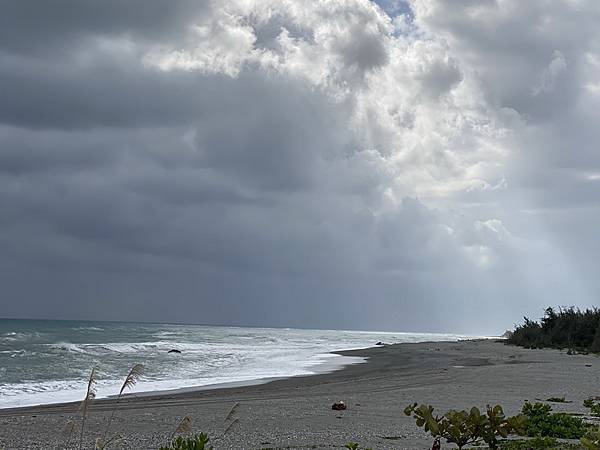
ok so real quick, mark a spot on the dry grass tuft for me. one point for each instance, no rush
(230, 419)
(230, 426)
(90, 395)
(185, 426)
(68, 431)
(232, 411)
(132, 378)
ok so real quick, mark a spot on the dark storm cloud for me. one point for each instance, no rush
(108, 90)
(315, 166)
(53, 27)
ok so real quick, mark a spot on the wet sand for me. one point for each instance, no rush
(295, 413)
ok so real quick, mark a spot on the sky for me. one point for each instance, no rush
(414, 166)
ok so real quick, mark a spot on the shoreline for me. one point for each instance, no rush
(338, 362)
(321, 368)
(296, 412)
(61, 357)
(341, 360)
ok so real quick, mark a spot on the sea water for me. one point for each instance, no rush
(43, 361)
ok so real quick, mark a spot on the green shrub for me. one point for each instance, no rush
(591, 440)
(464, 428)
(568, 328)
(593, 405)
(542, 422)
(199, 442)
(538, 443)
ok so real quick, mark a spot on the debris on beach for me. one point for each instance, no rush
(338, 406)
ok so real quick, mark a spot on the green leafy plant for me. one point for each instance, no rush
(541, 421)
(497, 424)
(538, 443)
(198, 442)
(464, 428)
(591, 440)
(593, 405)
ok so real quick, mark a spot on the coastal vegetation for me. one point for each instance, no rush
(547, 429)
(594, 405)
(542, 422)
(539, 443)
(130, 380)
(198, 442)
(467, 427)
(566, 328)
(591, 441)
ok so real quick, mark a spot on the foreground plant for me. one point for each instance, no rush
(591, 440)
(130, 380)
(593, 405)
(198, 442)
(90, 395)
(466, 428)
(541, 421)
(538, 443)
(68, 431)
(230, 419)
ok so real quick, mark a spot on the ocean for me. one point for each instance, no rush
(45, 361)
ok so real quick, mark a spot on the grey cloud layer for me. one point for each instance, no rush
(278, 163)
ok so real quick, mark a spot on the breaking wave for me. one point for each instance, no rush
(48, 362)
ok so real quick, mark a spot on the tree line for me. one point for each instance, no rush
(568, 328)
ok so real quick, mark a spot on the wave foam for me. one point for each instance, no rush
(56, 370)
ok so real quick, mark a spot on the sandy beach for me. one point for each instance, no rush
(295, 413)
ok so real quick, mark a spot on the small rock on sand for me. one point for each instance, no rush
(338, 406)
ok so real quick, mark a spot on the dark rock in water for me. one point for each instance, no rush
(338, 406)
(174, 351)
(380, 343)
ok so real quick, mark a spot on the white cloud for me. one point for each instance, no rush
(223, 43)
(405, 95)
